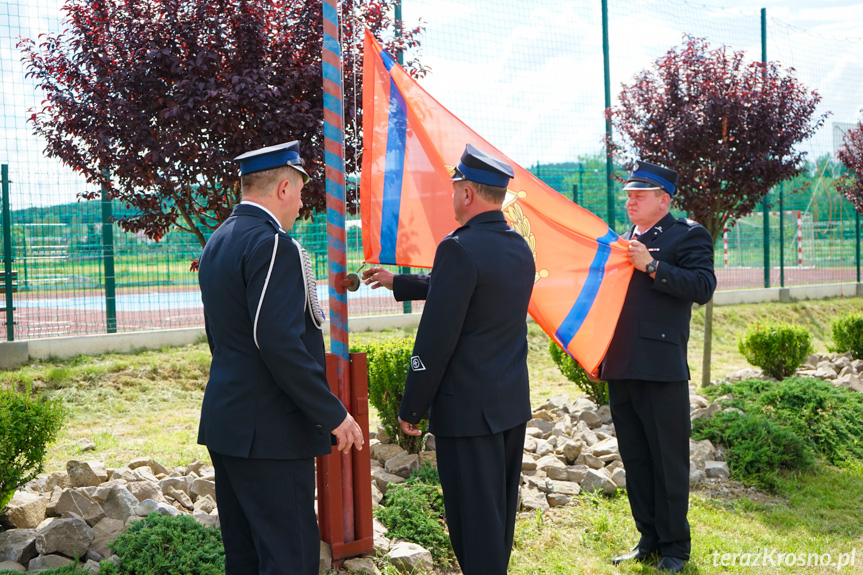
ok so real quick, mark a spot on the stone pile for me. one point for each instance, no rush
(841, 369)
(57, 518)
(569, 447)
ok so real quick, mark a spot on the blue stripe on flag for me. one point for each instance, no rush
(393, 174)
(388, 60)
(575, 318)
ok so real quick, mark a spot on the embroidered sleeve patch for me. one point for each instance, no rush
(417, 364)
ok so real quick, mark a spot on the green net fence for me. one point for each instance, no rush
(528, 76)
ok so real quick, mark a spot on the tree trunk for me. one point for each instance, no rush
(708, 344)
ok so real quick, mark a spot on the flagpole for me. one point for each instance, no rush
(334, 156)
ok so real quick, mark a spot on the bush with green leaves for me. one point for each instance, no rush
(595, 390)
(414, 511)
(28, 424)
(847, 332)
(389, 362)
(777, 348)
(166, 545)
(827, 417)
(757, 446)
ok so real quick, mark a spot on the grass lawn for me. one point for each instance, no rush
(147, 404)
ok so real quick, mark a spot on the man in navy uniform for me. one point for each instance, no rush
(646, 367)
(469, 365)
(267, 410)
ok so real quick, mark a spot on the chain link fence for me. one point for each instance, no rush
(528, 76)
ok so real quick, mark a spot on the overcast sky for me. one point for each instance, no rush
(528, 76)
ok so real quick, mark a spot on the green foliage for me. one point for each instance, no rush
(847, 332)
(165, 545)
(757, 447)
(828, 418)
(597, 391)
(28, 423)
(388, 368)
(777, 348)
(414, 511)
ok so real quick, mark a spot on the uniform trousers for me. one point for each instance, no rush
(267, 515)
(480, 477)
(651, 421)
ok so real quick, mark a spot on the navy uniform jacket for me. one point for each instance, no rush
(469, 368)
(652, 333)
(270, 399)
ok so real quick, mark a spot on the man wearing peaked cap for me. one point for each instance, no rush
(267, 410)
(469, 364)
(646, 368)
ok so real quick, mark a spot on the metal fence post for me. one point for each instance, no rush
(609, 164)
(857, 234)
(781, 234)
(764, 203)
(7, 256)
(108, 260)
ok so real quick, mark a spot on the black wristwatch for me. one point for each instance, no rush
(650, 269)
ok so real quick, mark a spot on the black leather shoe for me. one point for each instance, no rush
(637, 554)
(671, 564)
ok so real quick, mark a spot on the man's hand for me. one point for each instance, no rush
(348, 434)
(638, 255)
(378, 277)
(409, 428)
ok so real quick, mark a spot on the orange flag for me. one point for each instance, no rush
(410, 145)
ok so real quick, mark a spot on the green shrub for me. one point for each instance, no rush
(28, 424)
(756, 446)
(847, 332)
(597, 391)
(165, 545)
(414, 511)
(826, 417)
(777, 348)
(388, 368)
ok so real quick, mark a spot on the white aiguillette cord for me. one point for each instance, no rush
(312, 302)
(311, 288)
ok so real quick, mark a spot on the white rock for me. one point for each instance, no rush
(402, 464)
(362, 565)
(383, 452)
(326, 558)
(26, 510)
(590, 418)
(717, 469)
(70, 537)
(605, 447)
(410, 558)
(533, 499)
(619, 477)
(86, 473)
(18, 545)
(598, 480)
(558, 499)
(47, 562)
